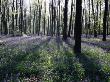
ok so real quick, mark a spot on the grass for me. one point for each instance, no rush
(55, 62)
(98, 42)
(100, 59)
(92, 39)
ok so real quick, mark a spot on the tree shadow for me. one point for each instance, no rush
(101, 44)
(98, 44)
(91, 69)
(10, 67)
(58, 41)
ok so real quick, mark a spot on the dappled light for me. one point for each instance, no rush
(54, 41)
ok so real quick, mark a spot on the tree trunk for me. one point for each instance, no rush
(70, 25)
(105, 20)
(65, 20)
(78, 26)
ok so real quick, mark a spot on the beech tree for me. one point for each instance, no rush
(65, 20)
(78, 27)
(105, 20)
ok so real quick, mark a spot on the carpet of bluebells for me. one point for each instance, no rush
(49, 59)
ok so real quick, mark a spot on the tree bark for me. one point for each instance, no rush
(105, 20)
(78, 26)
(65, 20)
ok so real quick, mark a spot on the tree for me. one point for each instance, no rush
(58, 27)
(13, 29)
(70, 25)
(105, 20)
(65, 20)
(78, 27)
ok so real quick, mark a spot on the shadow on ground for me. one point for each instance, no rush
(91, 69)
(10, 67)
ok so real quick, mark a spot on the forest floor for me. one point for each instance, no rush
(98, 42)
(50, 59)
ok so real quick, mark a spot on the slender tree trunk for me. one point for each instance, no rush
(45, 20)
(70, 25)
(105, 20)
(58, 28)
(40, 7)
(25, 24)
(5, 23)
(54, 30)
(16, 16)
(97, 23)
(89, 20)
(95, 32)
(100, 19)
(65, 20)
(52, 18)
(13, 29)
(0, 5)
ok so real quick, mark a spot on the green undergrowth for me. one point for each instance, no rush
(100, 60)
(56, 62)
(98, 42)
(51, 62)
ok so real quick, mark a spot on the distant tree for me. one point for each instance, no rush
(45, 18)
(39, 28)
(25, 22)
(16, 16)
(89, 24)
(100, 3)
(65, 20)
(97, 17)
(94, 18)
(70, 24)
(13, 27)
(52, 17)
(21, 17)
(105, 20)
(58, 24)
